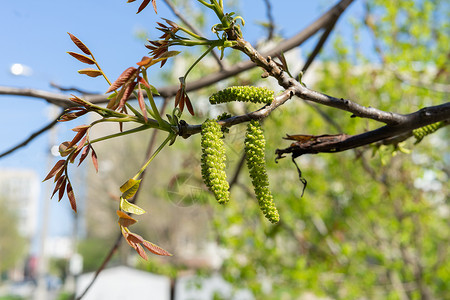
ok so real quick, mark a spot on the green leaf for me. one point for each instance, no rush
(130, 188)
(130, 207)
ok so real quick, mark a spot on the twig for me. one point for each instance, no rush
(116, 245)
(31, 137)
(271, 26)
(180, 16)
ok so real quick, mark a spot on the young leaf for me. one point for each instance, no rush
(142, 103)
(94, 159)
(80, 44)
(125, 220)
(84, 154)
(82, 58)
(130, 207)
(62, 188)
(155, 249)
(145, 3)
(123, 78)
(90, 72)
(58, 166)
(144, 61)
(130, 188)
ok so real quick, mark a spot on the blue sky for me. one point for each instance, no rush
(34, 33)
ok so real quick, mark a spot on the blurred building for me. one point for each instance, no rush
(20, 189)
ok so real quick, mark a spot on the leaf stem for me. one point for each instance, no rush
(168, 139)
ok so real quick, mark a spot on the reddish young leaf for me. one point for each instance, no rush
(77, 137)
(62, 189)
(182, 100)
(64, 150)
(135, 238)
(90, 72)
(145, 3)
(58, 185)
(58, 166)
(141, 251)
(155, 249)
(71, 197)
(154, 6)
(142, 104)
(94, 159)
(189, 105)
(58, 175)
(178, 97)
(84, 154)
(129, 88)
(82, 58)
(144, 61)
(123, 78)
(124, 219)
(80, 44)
(80, 101)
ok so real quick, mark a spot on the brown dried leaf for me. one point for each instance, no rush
(123, 78)
(90, 72)
(80, 44)
(58, 166)
(82, 58)
(155, 249)
(71, 197)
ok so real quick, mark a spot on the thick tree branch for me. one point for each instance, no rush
(342, 142)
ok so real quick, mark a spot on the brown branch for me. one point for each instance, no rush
(342, 142)
(31, 137)
(271, 26)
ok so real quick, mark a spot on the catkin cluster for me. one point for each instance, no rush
(422, 132)
(254, 150)
(244, 94)
(213, 161)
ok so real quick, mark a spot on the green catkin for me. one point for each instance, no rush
(422, 132)
(244, 94)
(254, 150)
(213, 161)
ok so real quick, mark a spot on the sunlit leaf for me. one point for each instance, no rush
(144, 61)
(129, 88)
(80, 44)
(71, 197)
(125, 220)
(155, 249)
(130, 207)
(58, 166)
(130, 188)
(123, 78)
(142, 103)
(94, 159)
(90, 72)
(82, 58)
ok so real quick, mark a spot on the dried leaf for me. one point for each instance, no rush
(94, 159)
(58, 166)
(71, 197)
(90, 72)
(80, 44)
(123, 78)
(155, 249)
(82, 58)
(125, 220)
(130, 207)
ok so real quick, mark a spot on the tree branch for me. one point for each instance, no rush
(31, 137)
(342, 142)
